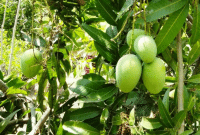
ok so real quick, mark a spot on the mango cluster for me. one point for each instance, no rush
(129, 68)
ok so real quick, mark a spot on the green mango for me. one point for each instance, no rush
(153, 76)
(146, 48)
(30, 62)
(131, 38)
(128, 72)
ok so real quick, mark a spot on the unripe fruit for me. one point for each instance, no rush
(146, 48)
(30, 62)
(128, 72)
(153, 76)
(130, 40)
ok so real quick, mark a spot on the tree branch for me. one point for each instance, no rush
(180, 79)
(18, 121)
(41, 121)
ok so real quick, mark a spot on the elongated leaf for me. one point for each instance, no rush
(95, 78)
(52, 92)
(171, 28)
(16, 83)
(166, 119)
(196, 25)
(116, 119)
(106, 12)
(84, 113)
(178, 119)
(122, 22)
(104, 116)
(194, 53)
(150, 123)
(190, 103)
(195, 79)
(67, 105)
(60, 130)
(119, 101)
(186, 95)
(125, 8)
(187, 132)
(104, 43)
(162, 8)
(5, 122)
(107, 54)
(42, 85)
(101, 95)
(167, 55)
(81, 128)
(66, 65)
(112, 31)
(166, 99)
(84, 87)
(12, 90)
(132, 117)
(159, 132)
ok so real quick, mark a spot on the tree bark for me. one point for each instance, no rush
(180, 79)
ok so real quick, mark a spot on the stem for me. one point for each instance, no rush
(180, 79)
(40, 122)
(2, 30)
(13, 37)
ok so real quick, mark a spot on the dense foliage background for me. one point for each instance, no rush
(81, 40)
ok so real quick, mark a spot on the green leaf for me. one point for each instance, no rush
(194, 53)
(187, 132)
(106, 53)
(178, 119)
(16, 83)
(104, 43)
(164, 114)
(167, 55)
(150, 123)
(84, 86)
(159, 132)
(162, 8)
(186, 95)
(95, 78)
(125, 8)
(61, 76)
(102, 94)
(67, 105)
(84, 113)
(52, 92)
(191, 103)
(196, 25)
(13, 90)
(106, 12)
(42, 84)
(81, 128)
(132, 117)
(112, 31)
(6, 121)
(194, 79)
(104, 116)
(166, 99)
(60, 130)
(116, 119)
(66, 65)
(171, 28)
(122, 22)
(119, 101)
